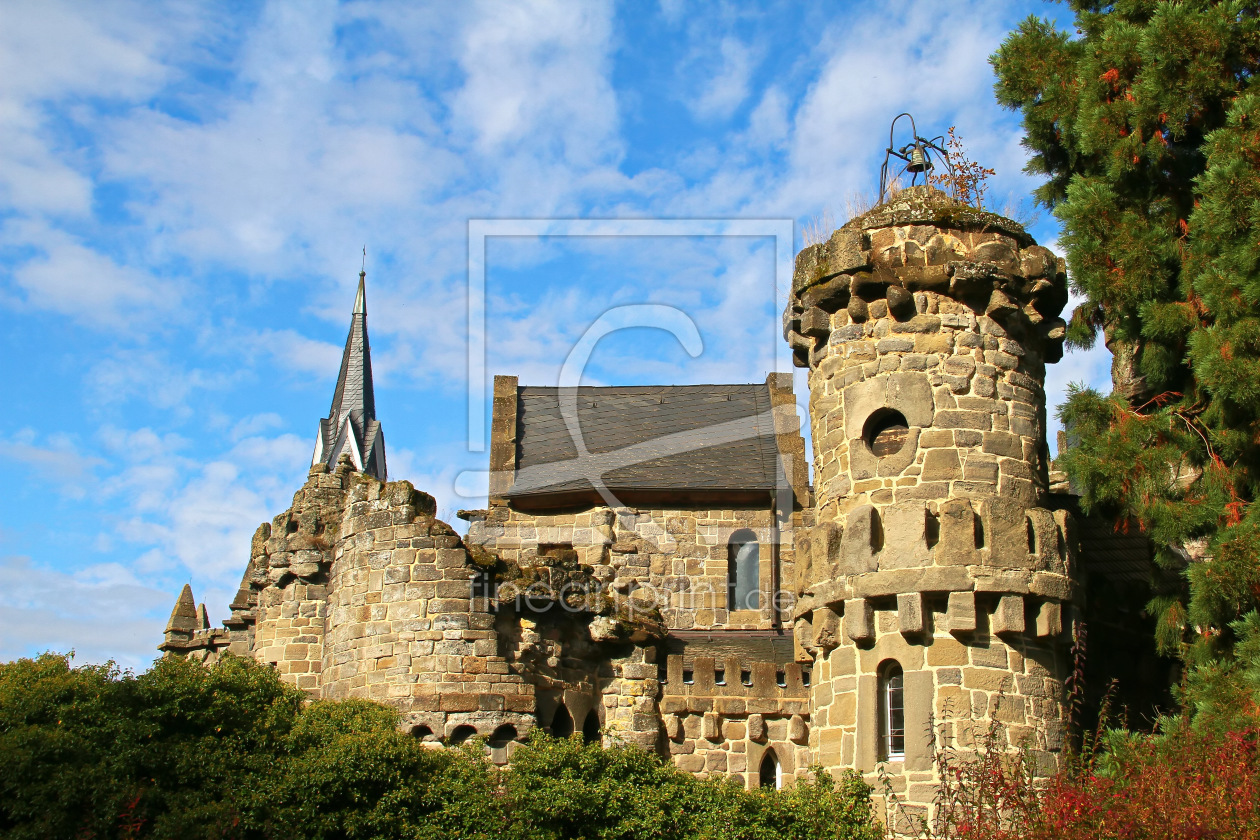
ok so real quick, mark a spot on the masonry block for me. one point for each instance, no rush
(859, 620)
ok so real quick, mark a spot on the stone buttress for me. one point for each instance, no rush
(926, 327)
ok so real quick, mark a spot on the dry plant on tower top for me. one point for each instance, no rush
(966, 180)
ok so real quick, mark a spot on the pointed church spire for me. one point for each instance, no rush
(351, 428)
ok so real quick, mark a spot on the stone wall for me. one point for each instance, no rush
(720, 718)
(674, 560)
(359, 591)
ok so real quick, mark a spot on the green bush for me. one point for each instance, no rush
(230, 751)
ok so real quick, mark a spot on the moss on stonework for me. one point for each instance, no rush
(482, 557)
(926, 205)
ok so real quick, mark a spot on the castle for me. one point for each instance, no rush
(655, 567)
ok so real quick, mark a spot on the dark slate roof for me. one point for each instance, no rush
(660, 437)
(1118, 553)
(1114, 553)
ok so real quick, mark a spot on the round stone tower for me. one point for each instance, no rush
(935, 583)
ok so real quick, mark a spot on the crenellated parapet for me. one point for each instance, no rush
(723, 715)
(1021, 559)
(920, 241)
(702, 683)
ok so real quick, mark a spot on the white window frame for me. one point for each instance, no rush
(892, 697)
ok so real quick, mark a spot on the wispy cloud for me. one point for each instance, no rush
(725, 77)
(100, 612)
(58, 460)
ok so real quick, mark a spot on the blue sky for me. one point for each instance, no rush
(185, 190)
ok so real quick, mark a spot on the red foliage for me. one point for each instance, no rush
(1188, 785)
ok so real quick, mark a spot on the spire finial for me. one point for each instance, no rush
(360, 299)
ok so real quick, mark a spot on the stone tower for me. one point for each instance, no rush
(935, 584)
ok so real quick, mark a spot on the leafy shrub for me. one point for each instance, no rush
(230, 751)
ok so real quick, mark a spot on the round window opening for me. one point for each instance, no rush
(886, 431)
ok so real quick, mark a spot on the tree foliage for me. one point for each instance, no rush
(1146, 124)
(230, 751)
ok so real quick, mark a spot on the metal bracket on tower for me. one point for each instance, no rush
(916, 154)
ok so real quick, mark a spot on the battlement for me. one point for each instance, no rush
(734, 686)
(881, 264)
(982, 538)
(1023, 558)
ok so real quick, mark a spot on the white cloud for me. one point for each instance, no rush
(75, 280)
(297, 353)
(726, 85)
(58, 461)
(51, 51)
(203, 517)
(538, 71)
(256, 423)
(152, 377)
(101, 612)
(768, 123)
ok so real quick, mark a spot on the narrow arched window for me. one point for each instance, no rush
(892, 713)
(502, 736)
(461, 734)
(562, 723)
(590, 727)
(771, 773)
(743, 571)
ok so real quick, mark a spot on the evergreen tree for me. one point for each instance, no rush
(1146, 122)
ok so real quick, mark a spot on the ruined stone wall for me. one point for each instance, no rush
(675, 559)
(285, 588)
(926, 327)
(359, 591)
(720, 718)
(402, 626)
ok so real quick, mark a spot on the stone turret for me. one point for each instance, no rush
(188, 631)
(926, 327)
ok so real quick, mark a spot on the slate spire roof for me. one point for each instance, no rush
(351, 427)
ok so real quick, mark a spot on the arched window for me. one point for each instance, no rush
(771, 774)
(461, 734)
(892, 713)
(502, 736)
(743, 571)
(590, 728)
(562, 723)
